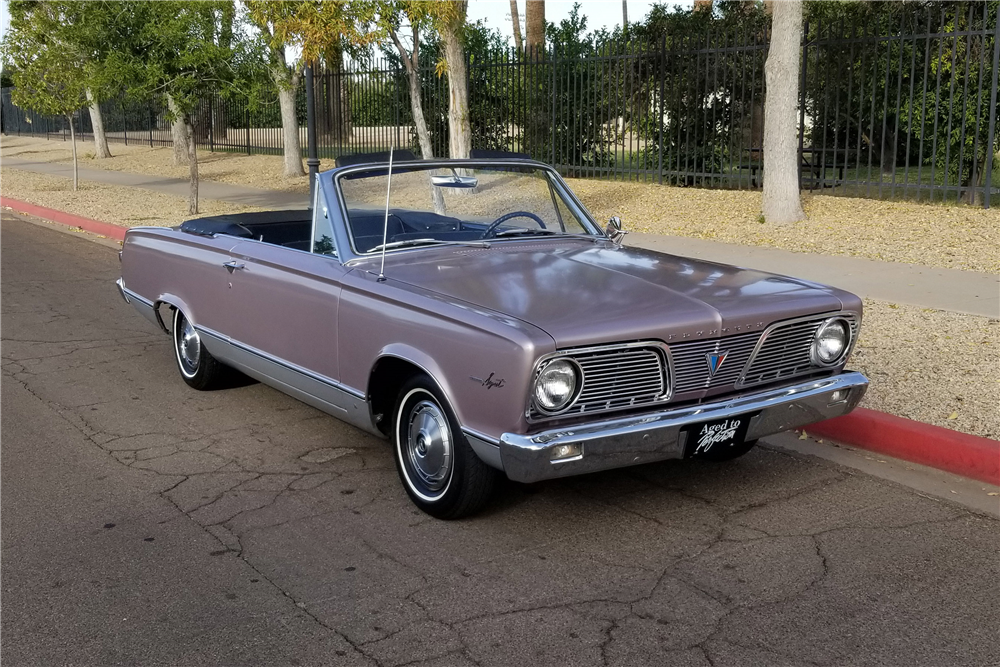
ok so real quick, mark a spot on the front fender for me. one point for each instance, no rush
(424, 362)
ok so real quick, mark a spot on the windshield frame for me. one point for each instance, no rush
(555, 182)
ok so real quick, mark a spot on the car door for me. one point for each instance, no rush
(285, 305)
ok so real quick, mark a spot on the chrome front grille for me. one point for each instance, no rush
(632, 375)
(783, 351)
(690, 361)
(617, 377)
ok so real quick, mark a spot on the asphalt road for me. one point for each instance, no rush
(146, 523)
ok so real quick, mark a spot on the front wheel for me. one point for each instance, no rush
(197, 365)
(439, 470)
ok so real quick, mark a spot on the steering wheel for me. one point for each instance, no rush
(491, 230)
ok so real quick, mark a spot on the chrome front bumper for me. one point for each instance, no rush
(627, 441)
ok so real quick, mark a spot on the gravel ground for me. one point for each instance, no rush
(954, 237)
(258, 171)
(117, 204)
(932, 366)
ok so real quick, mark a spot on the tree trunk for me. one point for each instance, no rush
(887, 157)
(534, 28)
(290, 124)
(410, 61)
(782, 203)
(72, 139)
(192, 164)
(516, 20)
(220, 121)
(413, 78)
(757, 106)
(202, 126)
(338, 116)
(178, 132)
(757, 122)
(97, 121)
(973, 195)
(703, 5)
(288, 85)
(459, 129)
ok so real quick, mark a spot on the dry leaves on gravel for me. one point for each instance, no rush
(932, 366)
(953, 237)
(119, 205)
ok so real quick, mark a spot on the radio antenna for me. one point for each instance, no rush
(385, 227)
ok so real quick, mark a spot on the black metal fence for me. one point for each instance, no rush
(902, 105)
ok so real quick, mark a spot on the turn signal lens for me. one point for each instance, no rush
(562, 452)
(839, 396)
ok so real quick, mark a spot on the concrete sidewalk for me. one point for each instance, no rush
(928, 287)
(235, 194)
(941, 289)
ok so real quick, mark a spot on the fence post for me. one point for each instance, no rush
(121, 105)
(151, 121)
(247, 108)
(991, 141)
(211, 124)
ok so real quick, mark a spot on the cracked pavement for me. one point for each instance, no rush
(147, 523)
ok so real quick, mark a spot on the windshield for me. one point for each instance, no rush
(467, 204)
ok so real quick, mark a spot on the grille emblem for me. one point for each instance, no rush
(715, 360)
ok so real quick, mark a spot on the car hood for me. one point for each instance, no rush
(581, 292)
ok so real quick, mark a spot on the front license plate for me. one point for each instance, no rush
(717, 435)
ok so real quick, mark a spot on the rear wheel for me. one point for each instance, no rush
(729, 453)
(197, 365)
(439, 470)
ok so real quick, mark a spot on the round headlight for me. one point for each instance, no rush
(556, 384)
(831, 342)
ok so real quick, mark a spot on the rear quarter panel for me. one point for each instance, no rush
(181, 269)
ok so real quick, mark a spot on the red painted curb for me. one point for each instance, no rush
(960, 453)
(95, 226)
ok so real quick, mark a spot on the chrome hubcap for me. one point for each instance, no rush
(189, 346)
(429, 445)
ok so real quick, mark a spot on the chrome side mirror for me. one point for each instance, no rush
(614, 230)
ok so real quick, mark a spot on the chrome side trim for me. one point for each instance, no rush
(281, 362)
(145, 307)
(854, 322)
(121, 289)
(129, 295)
(322, 393)
(626, 441)
(661, 347)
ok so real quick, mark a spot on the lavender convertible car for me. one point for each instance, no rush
(474, 313)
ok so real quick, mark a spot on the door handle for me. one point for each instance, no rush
(233, 265)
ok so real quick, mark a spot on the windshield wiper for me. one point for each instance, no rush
(415, 242)
(521, 231)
